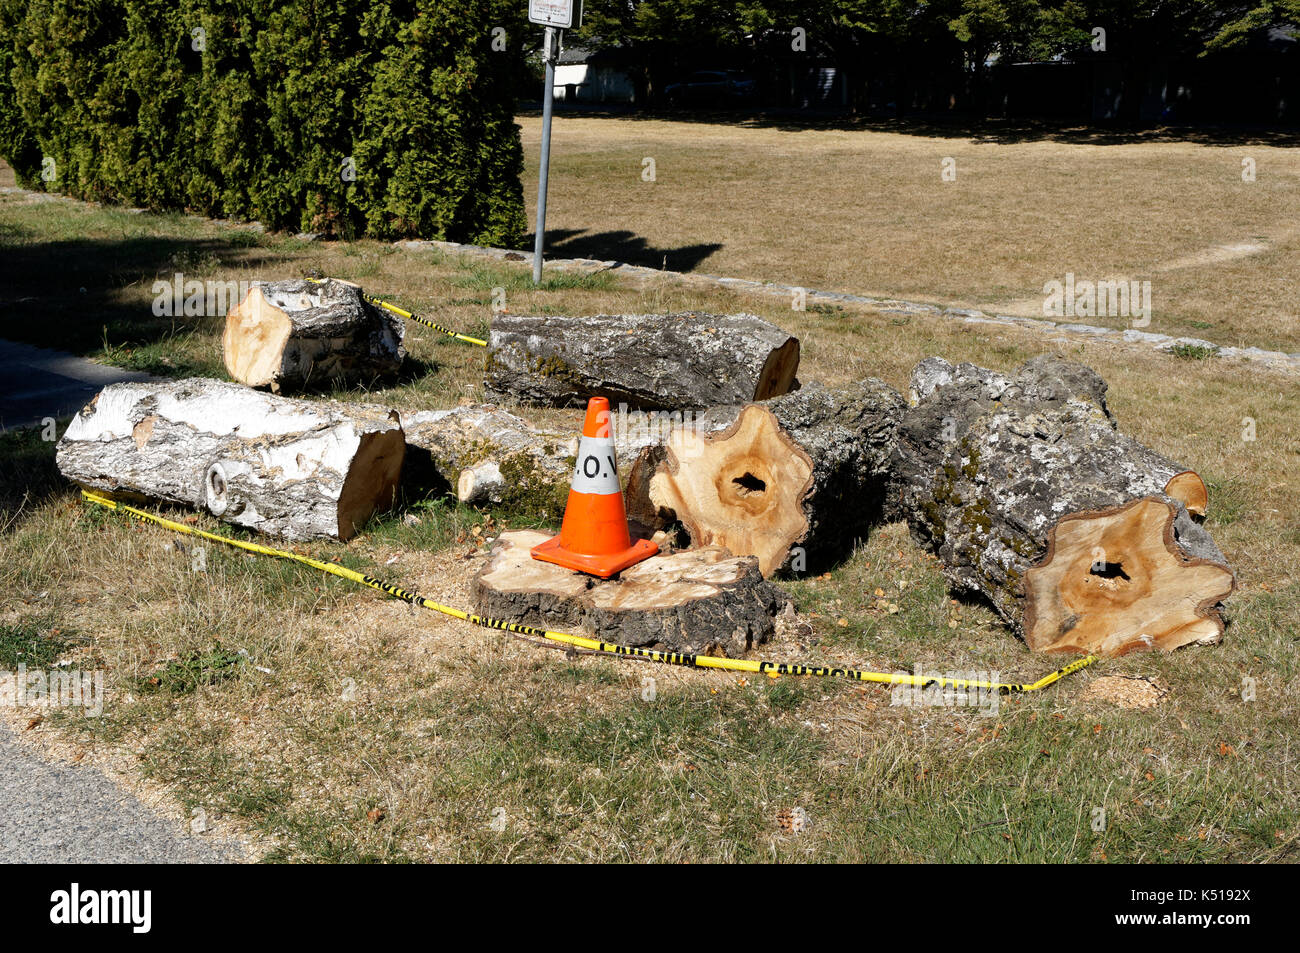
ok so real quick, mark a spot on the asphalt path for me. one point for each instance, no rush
(59, 813)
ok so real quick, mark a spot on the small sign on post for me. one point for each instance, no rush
(555, 15)
(561, 14)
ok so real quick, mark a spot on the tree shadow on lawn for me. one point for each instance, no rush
(947, 126)
(623, 246)
(75, 294)
(28, 476)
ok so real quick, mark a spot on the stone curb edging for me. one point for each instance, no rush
(1275, 360)
(1279, 360)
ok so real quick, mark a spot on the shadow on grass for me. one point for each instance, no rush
(947, 126)
(78, 295)
(623, 246)
(28, 476)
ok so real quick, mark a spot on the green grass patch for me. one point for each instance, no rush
(27, 472)
(186, 675)
(489, 278)
(36, 642)
(1229, 500)
(1193, 352)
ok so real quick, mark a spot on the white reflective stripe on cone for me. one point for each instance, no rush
(596, 471)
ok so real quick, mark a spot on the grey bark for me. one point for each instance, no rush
(292, 468)
(987, 464)
(673, 361)
(849, 434)
(298, 334)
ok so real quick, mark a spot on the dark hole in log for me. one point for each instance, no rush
(749, 484)
(1109, 570)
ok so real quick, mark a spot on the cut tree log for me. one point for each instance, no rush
(1081, 537)
(292, 468)
(700, 601)
(289, 335)
(794, 481)
(487, 456)
(647, 361)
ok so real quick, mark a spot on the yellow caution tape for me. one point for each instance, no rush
(773, 669)
(402, 312)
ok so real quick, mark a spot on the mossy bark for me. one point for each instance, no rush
(490, 457)
(987, 466)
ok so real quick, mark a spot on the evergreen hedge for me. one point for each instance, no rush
(252, 108)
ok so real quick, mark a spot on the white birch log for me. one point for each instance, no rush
(292, 468)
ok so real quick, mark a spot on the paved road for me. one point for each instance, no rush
(36, 383)
(55, 813)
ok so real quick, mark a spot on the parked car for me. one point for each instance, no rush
(722, 87)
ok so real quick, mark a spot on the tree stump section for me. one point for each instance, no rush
(699, 601)
(291, 468)
(289, 335)
(1081, 537)
(794, 481)
(647, 361)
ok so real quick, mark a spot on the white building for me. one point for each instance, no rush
(590, 76)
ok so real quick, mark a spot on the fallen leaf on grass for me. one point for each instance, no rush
(793, 821)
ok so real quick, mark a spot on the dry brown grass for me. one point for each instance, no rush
(382, 733)
(866, 211)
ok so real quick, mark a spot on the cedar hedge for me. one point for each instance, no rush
(260, 109)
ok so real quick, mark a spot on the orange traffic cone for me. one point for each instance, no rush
(594, 537)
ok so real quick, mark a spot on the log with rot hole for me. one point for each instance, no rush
(794, 481)
(670, 361)
(701, 601)
(290, 335)
(1082, 538)
(296, 469)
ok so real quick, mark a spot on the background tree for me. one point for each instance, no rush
(262, 109)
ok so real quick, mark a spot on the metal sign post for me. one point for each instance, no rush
(549, 56)
(555, 15)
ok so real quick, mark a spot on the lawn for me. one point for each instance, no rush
(867, 210)
(329, 723)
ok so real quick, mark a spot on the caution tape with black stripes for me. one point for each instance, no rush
(403, 313)
(773, 669)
